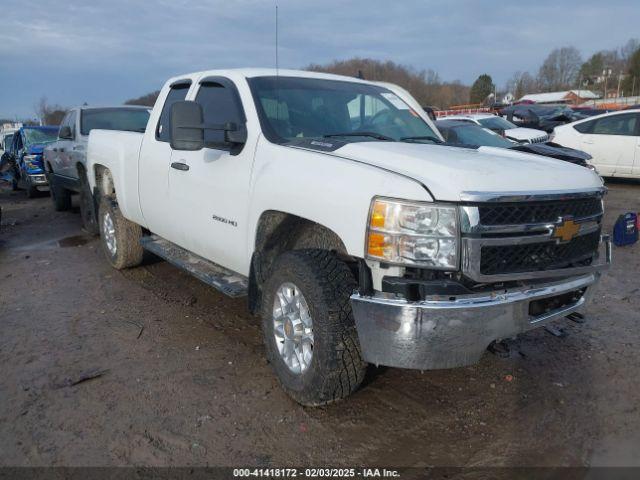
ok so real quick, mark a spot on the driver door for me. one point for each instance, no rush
(209, 188)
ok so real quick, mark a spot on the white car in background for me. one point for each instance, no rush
(612, 139)
(499, 125)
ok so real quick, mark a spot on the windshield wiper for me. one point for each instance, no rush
(377, 136)
(421, 137)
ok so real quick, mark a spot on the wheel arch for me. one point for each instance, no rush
(278, 232)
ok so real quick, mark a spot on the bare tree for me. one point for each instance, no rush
(560, 69)
(425, 85)
(49, 114)
(147, 100)
(521, 84)
(628, 49)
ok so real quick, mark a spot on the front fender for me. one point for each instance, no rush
(326, 189)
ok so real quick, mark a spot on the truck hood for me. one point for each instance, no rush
(36, 149)
(449, 171)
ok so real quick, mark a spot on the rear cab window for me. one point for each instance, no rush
(124, 119)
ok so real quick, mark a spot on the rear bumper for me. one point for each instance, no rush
(446, 333)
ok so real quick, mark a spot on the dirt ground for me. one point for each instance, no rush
(183, 380)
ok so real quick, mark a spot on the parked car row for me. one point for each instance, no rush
(608, 142)
(612, 139)
(464, 134)
(359, 231)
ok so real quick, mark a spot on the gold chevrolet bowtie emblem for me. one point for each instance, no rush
(566, 231)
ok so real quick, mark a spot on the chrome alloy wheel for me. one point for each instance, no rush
(109, 233)
(293, 328)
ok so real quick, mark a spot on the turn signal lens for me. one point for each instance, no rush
(377, 244)
(378, 215)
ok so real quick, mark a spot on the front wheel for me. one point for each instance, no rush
(310, 335)
(120, 237)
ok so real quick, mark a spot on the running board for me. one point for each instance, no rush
(228, 282)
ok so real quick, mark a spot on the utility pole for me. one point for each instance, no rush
(619, 80)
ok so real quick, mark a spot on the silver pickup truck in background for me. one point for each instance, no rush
(65, 159)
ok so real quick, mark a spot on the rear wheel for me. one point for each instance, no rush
(120, 237)
(310, 335)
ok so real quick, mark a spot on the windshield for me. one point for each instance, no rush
(496, 123)
(475, 135)
(127, 119)
(293, 108)
(36, 136)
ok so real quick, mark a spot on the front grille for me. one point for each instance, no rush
(538, 212)
(503, 259)
(540, 139)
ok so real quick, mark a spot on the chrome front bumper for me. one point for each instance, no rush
(38, 179)
(445, 333)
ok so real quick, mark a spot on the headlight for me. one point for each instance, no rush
(29, 161)
(412, 233)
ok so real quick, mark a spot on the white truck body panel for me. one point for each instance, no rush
(119, 152)
(496, 170)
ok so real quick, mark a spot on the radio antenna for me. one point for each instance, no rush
(277, 67)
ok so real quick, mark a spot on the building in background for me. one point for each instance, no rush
(574, 97)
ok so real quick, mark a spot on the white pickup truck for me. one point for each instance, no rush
(332, 204)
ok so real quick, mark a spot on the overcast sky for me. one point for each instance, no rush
(104, 52)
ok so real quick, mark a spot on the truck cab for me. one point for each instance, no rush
(359, 238)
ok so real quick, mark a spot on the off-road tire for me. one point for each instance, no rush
(336, 369)
(87, 208)
(128, 251)
(60, 196)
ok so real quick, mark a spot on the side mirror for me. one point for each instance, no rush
(186, 126)
(235, 134)
(65, 133)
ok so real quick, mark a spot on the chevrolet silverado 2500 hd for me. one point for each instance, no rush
(332, 205)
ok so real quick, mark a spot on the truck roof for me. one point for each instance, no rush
(107, 107)
(270, 72)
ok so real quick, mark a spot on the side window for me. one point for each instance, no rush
(220, 104)
(176, 94)
(71, 121)
(584, 127)
(64, 122)
(616, 125)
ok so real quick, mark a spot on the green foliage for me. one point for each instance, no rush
(481, 89)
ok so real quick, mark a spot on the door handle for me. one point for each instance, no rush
(61, 150)
(180, 166)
